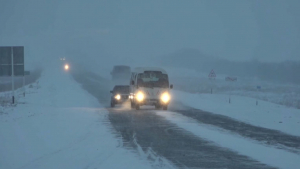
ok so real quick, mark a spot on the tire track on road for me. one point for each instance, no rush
(154, 132)
(266, 136)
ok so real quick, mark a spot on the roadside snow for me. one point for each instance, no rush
(192, 81)
(61, 126)
(265, 114)
(267, 155)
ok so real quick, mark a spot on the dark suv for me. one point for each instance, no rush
(120, 94)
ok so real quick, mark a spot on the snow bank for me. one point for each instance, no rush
(61, 126)
(265, 114)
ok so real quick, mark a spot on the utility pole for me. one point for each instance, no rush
(12, 76)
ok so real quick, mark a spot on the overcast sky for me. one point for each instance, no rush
(268, 30)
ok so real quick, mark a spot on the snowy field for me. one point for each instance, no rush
(195, 82)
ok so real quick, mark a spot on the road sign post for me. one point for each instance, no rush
(212, 74)
(12, 63)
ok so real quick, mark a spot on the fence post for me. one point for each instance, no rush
(12, 76)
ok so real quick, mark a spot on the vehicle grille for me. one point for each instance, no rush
(124, 97)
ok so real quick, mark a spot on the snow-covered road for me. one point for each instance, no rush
(61, 126)
(250, 146)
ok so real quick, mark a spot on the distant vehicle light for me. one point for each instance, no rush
(165, 97)
(118, 97)
(67, 67)
(140, 96)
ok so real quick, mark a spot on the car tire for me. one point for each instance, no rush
(112, 104)
(132, 105)
(137, 107)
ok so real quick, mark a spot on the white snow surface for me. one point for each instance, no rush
(265, 114)
(267, 155)
(61, 126)
(192, 81)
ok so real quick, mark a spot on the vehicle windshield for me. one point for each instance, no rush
(121, 89)
(153, 79)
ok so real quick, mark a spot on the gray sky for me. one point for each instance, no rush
(240, 30)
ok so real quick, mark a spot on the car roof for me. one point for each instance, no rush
(143, 69)
(121, 85)
(121, 66)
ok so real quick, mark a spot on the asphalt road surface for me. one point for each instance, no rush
(151, 132)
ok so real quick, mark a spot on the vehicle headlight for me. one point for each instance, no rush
(165, 97)
(118, 97)
(66, 67)
(140, 96)
(130, 97)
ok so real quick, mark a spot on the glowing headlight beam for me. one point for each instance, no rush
(165, 97)
(140, 96)
(66, 67)
(118, 97)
